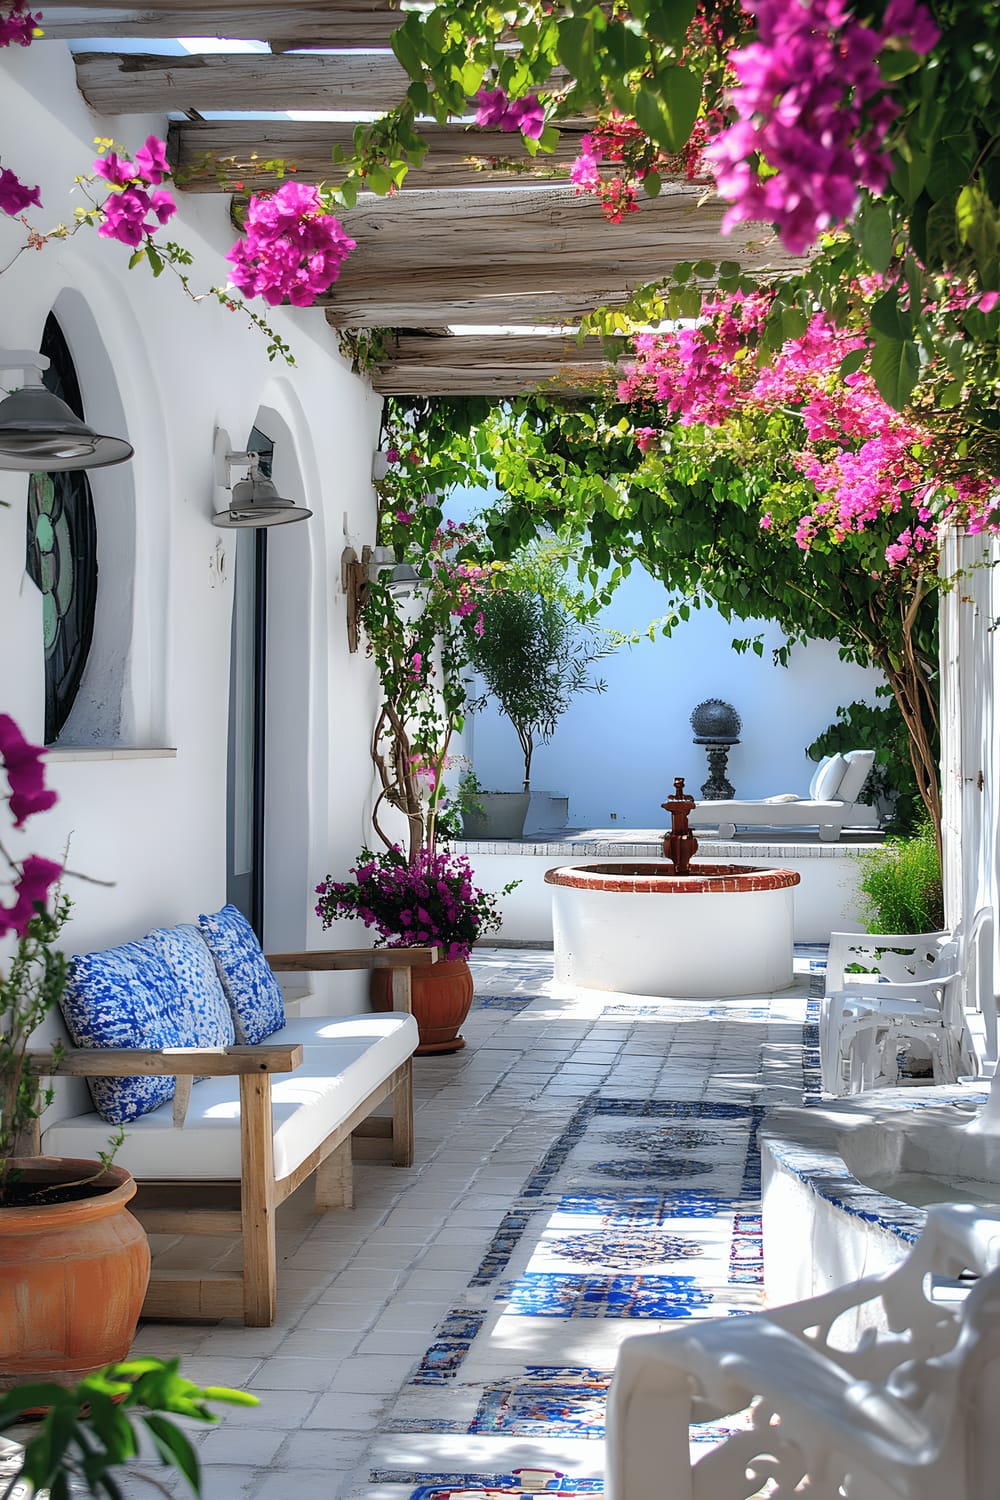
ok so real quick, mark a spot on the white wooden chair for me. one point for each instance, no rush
(906, 1410)
(895, 994)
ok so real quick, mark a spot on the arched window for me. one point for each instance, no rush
(62, 553)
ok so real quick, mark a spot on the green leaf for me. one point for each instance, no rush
(875, 235)
(853, 361)
(895, 368)
(652, 184)
(793, 323)
(978, 226)
(667, 107)
(155, 260)
(669, 22)
(174, 1448)
(887, 319)
(575, 48)
(910, 175)
(405, 43)
(896, 62)
(704, 269)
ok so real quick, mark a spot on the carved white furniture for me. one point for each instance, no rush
(830, 805)
(906, 999)
(908, 1409)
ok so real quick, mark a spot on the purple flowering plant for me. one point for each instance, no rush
(35, 974)
(428, 900)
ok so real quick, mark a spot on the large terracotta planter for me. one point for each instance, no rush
(442, 995)
(72, 1277)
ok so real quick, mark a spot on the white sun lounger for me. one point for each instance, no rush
(830, 805)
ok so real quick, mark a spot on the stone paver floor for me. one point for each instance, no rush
(586, 1169)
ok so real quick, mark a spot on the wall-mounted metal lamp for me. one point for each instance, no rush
(255, 501)
(40, 432)
(356, 573)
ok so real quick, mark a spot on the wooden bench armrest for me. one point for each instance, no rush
(198, 1062)
(352, 958)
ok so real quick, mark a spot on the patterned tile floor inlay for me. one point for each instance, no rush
(587, 1168)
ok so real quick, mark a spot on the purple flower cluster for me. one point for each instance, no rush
(293, 247)
(429, 901)
(15, 195)
(812, 105)
(127, 214)
(499, 112)
(19, 25)
(27, 795)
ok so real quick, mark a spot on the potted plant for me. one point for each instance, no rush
(427, 899)
(74, 1263)
(533, 653)
(93, 1428)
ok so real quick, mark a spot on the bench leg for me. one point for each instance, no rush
(402, 1117)
(334, 1179)
(257, 1202)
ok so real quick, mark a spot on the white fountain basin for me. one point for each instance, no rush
(644, 930)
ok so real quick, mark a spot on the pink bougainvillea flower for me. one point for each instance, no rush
(25, 773)
(293, 249)
(988, 301)
(645, 437)
(392, 455)
(19, 26)
(492, 108)
(15, 195)
(151, 161)
(115, 169)
(404, 517)
(525, 115)
(31, 890)
(584, 171)
(910, 22)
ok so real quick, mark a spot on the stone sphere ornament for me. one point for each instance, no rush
(716, 720)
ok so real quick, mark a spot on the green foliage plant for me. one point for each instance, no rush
(891, 783)
(91, 1430)
(900, 885)
(533, 652)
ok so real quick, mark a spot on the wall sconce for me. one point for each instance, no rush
(255, 501)
(356, 573)
(40, 432)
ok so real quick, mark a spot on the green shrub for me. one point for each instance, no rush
(900, 884)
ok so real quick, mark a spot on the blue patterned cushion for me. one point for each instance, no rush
(125, 997)
(251, 989)
(184, 952)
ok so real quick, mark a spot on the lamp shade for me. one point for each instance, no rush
(40, 432)
(256, 502)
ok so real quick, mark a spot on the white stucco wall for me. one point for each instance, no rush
(166, 372)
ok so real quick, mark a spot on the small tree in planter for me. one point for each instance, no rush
(534, 653)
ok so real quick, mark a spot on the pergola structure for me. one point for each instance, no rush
(464, 243)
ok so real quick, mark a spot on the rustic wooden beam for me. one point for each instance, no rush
(322, 23)
(216, 156)
(498, 364)
(121, 83)
(508, 228)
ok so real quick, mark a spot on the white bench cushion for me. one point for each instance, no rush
(345, 1059)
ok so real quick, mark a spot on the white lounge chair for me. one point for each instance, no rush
(831, 804)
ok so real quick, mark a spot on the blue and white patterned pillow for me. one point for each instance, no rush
(125, 997)
(251, 988)
(185, 953)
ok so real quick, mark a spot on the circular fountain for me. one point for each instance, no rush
(670, 928)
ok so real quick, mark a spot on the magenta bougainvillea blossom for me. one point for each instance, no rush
(18, 25)
(431, 899)
(864, 460)
(811, 105)
(131, 213)
(497, 111)
(15, 195)
(293, 247)
(27, 794)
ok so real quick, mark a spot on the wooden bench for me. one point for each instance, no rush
(251, 1142)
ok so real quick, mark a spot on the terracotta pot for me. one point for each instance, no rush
(442, 995)
(72, 1277)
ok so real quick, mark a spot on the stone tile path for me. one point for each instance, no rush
(586, 1169)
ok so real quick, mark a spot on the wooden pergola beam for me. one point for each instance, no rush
(323, 23)
(417, 365)
(121, 83)
(215, 156)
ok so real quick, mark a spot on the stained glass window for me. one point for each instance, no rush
(62, 553)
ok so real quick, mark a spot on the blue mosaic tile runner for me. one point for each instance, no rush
(643, 1211)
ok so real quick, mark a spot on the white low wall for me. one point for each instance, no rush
(825, 900)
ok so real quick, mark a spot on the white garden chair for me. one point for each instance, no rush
(907, 1412)
(907, 1000)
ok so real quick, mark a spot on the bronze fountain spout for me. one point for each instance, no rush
(679, 845)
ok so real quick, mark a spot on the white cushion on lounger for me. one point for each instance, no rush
(825, 786)
(859, 763)
(344, 1060)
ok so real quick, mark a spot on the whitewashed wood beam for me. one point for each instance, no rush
(323, 23)
(418, 365)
